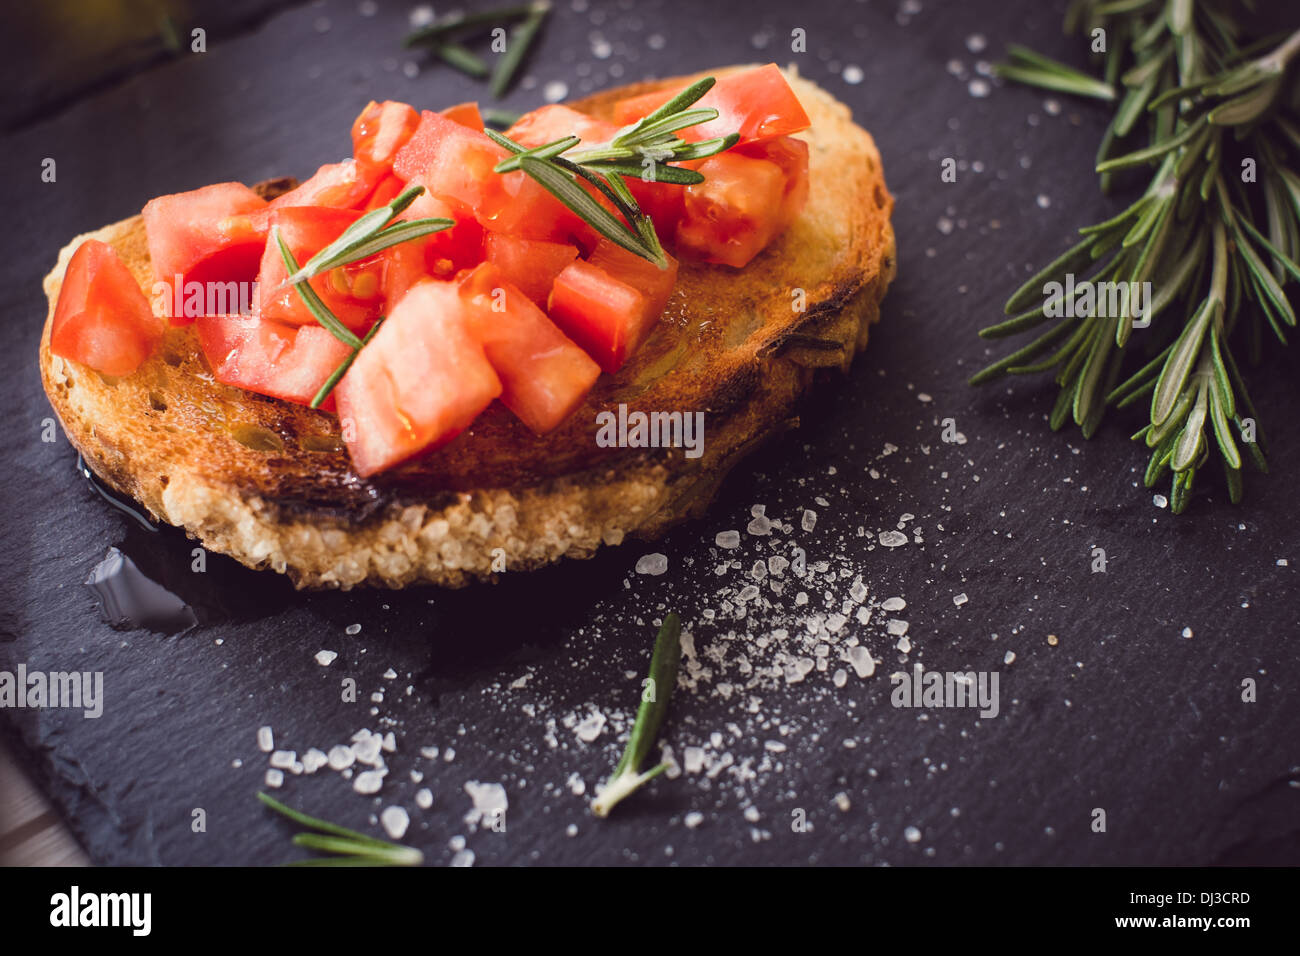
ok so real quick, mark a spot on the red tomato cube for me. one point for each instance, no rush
(213, 234)
(544, 376)
(419, 383)
(102, 318)
(345, 185)
(381, 130)
(271, 358)
(735, 212)
(531, 265)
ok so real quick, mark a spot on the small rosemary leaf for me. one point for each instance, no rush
(681, 101)
(1115, 222)
(1155, 151)
(1014, 326)
(1089, 394)
(1061, 410)
(517, 47)
(1135, 100)
(1222, 384)
(315, 306)
(402, 232)
(1248, 107)
(1170, 426)
(386, 854)
(1071, 347)
(1069, 261)
(1178, 365)
(545, 151)
(338, 252)
(337, 375)
(1232, 478)
(461, 58)
(1193, 432)
(1000, 367)
(1223, 434)
(663, 173)
(666, 125)
(1264, 278)
(1180, 16)
(706, 147)
(1147, 373)
(315, 823)
(1145, 222)
(562, 187)
(1253, 448)
(1284, 261)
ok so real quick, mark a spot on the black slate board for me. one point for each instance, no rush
(1124, 713)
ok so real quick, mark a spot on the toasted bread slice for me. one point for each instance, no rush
(270, 484)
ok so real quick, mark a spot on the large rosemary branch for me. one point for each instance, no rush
(1216, 233)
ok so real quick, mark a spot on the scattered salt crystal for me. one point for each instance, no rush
(1160, 501)
(341, 757)
(1282, 562)
(752, 814)
(893, 604)
(727, 539)
(912, 835)
(369, 782)
(326, 658)
(896, 628)
(801, 599)
(395, 821)
(960, 599)
(760, 525)
(652, 564)
(421, 16)
(693, 759)
(976, 42)
(1043, 201)
(978, 87)
(424, 798)
(693, 819)
(858, 591)
(809, 519)
(352, 629)
(489, 800)
(265, 740)
(892, 539)
(590, 729)
(864, 615)
(466, 857)
(390, 674)
(275, 778)
(863, 663)
(842, 802)
(1187, 632)
(284, 759)
(840, 677)
(555, 91)
(904, 644)
(571, 830)
(852, 74)
(1009, 657)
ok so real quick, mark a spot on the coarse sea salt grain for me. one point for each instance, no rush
(1009, 657)
(352, 629)
(809, 519)
(341, 757)
(863, 663)
(960, 599)
(424, 798)
(761, 525)
(652, 564)
(912, 835)
(464, 857)
(893, 604)
(693, 819)
(275, 778)
(727, 539)
(892, 539)
(369, 782)
(395, 820)
(326, 658)
(590, 729)
(265, 740)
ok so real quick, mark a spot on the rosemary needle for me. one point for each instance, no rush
(521, 39)
(627, 778)
(352, 848)
(1214, 238)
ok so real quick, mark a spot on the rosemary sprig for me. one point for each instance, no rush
(1216, 233)
(644, 148)
(443, 36)
(351, 848)
(337, 375)
(626, 778)
(370, 234)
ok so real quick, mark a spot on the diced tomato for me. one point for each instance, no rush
(420, 382)
(389, 188)
(734, 213)
(345, 185)
(647, 278)
(102, 318)
(213, 234)
(449, 251)
(549, 123)
(380, 131)
(354, 292)
(544, 375)
(466, 114)
(456, 164)
(758, 104)
(610, 317)
(531, 265)
(269, 357)
(791, 155)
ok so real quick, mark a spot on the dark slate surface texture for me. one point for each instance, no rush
(1124, 713)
